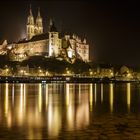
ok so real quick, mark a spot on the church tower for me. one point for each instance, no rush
(53, 40)
(30, 25)
(39, 25)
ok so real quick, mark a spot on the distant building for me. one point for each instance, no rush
(50, 44)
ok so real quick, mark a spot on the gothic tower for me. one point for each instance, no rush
(30, 25)
(53, 40)
(39, 25)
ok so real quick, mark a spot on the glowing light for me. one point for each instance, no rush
(70, 110)
(24, 96)
(67, 94)
(70, 117)
(91, 73)
(13, 92)
(46, 95)
(54, 121)
(9, 120)
(111, 97)
(82, 110)
(50, 113)
(6, 99)
(102, 92)
(20, 108)
(70, 54)
(50, 50)
(68, 72)
(128, 96)
(95, 92)
(21, 98)
(40, 98)
(47, 73)
(79, 93)
(111, 73)
(91, 96)
(21, 71)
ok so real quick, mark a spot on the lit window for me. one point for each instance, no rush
(70, 54)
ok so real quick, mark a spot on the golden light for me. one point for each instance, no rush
(111, 73)
(67, 94)
(13, 92)
(70, 117)
(47, 95)
(70, 54)
(102, 96)
(21, 71)
(95, 92)
(91, 97)
(128, 96)
(6, 101)
(20, 111)
(111, 97)
(91, 73)
(7, 69)
(70, 108)
(21, 98)
(47, 73)
(54, 120)
(24, 96)
(68, 72)
(79, 93)
(40, 98)
(82, 110)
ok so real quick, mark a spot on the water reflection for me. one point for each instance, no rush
(111, 97)
(6, 101)
(95, 92)
(13, 91)
(102, 88)
(54, 107)
(91, 97)
(128, 96)
(40, 98)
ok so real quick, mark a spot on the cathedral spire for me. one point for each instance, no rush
(51, 22)
(31, 10)
(38, 12)
(39, 24)
(30, 24)
(52, 27)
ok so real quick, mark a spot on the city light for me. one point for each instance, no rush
(111, 97)
(128, 86)
(69, 70)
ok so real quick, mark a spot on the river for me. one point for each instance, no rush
(70, 111)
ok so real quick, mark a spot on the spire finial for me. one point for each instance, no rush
(31, 10)
(51, 22)
(38, 11)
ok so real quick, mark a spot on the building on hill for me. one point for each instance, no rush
(50, 44)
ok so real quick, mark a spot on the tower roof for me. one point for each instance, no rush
(30, 12)
(52, 26)
(38, 15)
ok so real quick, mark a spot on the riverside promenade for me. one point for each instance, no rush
(63, 79)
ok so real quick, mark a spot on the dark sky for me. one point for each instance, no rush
(112, 28)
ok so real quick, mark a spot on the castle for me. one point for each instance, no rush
(50, 44)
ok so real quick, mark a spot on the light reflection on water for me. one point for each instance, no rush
(50, 110)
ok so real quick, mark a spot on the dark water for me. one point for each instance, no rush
(70, 111)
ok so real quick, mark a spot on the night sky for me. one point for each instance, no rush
(112, 29)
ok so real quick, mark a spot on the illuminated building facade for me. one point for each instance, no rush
(50, 44)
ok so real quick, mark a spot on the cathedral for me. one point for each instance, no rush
(49, 44)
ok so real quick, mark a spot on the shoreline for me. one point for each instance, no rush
(62, 79)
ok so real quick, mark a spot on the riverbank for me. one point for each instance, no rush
(59, 79)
